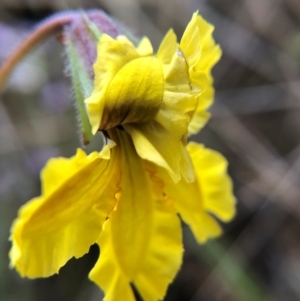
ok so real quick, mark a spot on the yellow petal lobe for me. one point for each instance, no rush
(154, 143)
(214, 183)
(128, 84)
(78, 195)
(201, 54)
(210, 195)
(143, 220)
(168, 47)
(145, 47)
(126, 102)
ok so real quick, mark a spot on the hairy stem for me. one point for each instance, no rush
(40, 33)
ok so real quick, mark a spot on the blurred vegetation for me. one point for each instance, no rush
(255, 124)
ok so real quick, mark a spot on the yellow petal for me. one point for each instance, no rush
(156, 144)
(134, 210)
(200, 115)
(78, 195)
(145, 47)
(134, 94)
(168, 47)
(128, 86)
(163, 259)
(210, 51)
(180, 99)
(190, 43)
(107, 273)
(199, 120)
(175, 111)
(209, 57)
(214, 182)
(189, 204)
(141, 242)
(211, 193)
(95, 107)
(201, 54)
(112, 55)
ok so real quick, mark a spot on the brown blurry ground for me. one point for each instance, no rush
(255, 124)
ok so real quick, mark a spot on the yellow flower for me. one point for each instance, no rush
(127, 197)
(154, 97)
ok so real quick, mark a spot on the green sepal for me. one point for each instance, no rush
(83, 87)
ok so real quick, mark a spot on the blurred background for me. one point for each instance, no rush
(255, 124)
